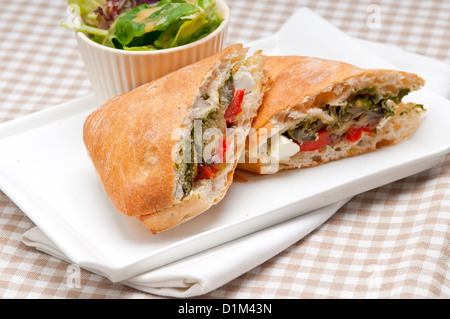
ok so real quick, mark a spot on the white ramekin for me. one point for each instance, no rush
(113, 71)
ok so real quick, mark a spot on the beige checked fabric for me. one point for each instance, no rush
(391, 242)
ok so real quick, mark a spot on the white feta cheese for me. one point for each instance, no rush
(287, 148)
(243, 80)
(283, 148)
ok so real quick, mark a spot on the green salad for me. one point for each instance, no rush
(143, 24)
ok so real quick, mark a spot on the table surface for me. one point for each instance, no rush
(390, 242)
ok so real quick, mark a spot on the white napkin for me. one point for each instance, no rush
(210, 269)
(206, 271)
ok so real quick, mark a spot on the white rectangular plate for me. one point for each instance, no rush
(45, 170)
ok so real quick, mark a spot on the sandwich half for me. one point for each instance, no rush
(316, 111)
(166, 151)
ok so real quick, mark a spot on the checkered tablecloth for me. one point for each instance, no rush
(391, 242)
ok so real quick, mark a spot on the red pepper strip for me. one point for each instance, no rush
(206, 171)
(322, 140)
(355, 133)
(235, 106)
(221, 149)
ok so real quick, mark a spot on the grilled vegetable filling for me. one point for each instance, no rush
(223, 116)
(362, 112)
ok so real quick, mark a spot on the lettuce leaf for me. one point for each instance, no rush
(195, 29)
(87, 10)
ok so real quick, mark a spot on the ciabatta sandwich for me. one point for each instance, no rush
(166, 151)
(315, 111)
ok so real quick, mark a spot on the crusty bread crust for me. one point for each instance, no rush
(185, 209)
(298, 86)
(130, 141)
(306, 82)
(197, 203)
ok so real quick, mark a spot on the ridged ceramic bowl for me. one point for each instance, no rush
(114, 71)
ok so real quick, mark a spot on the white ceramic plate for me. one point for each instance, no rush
(44, 169)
